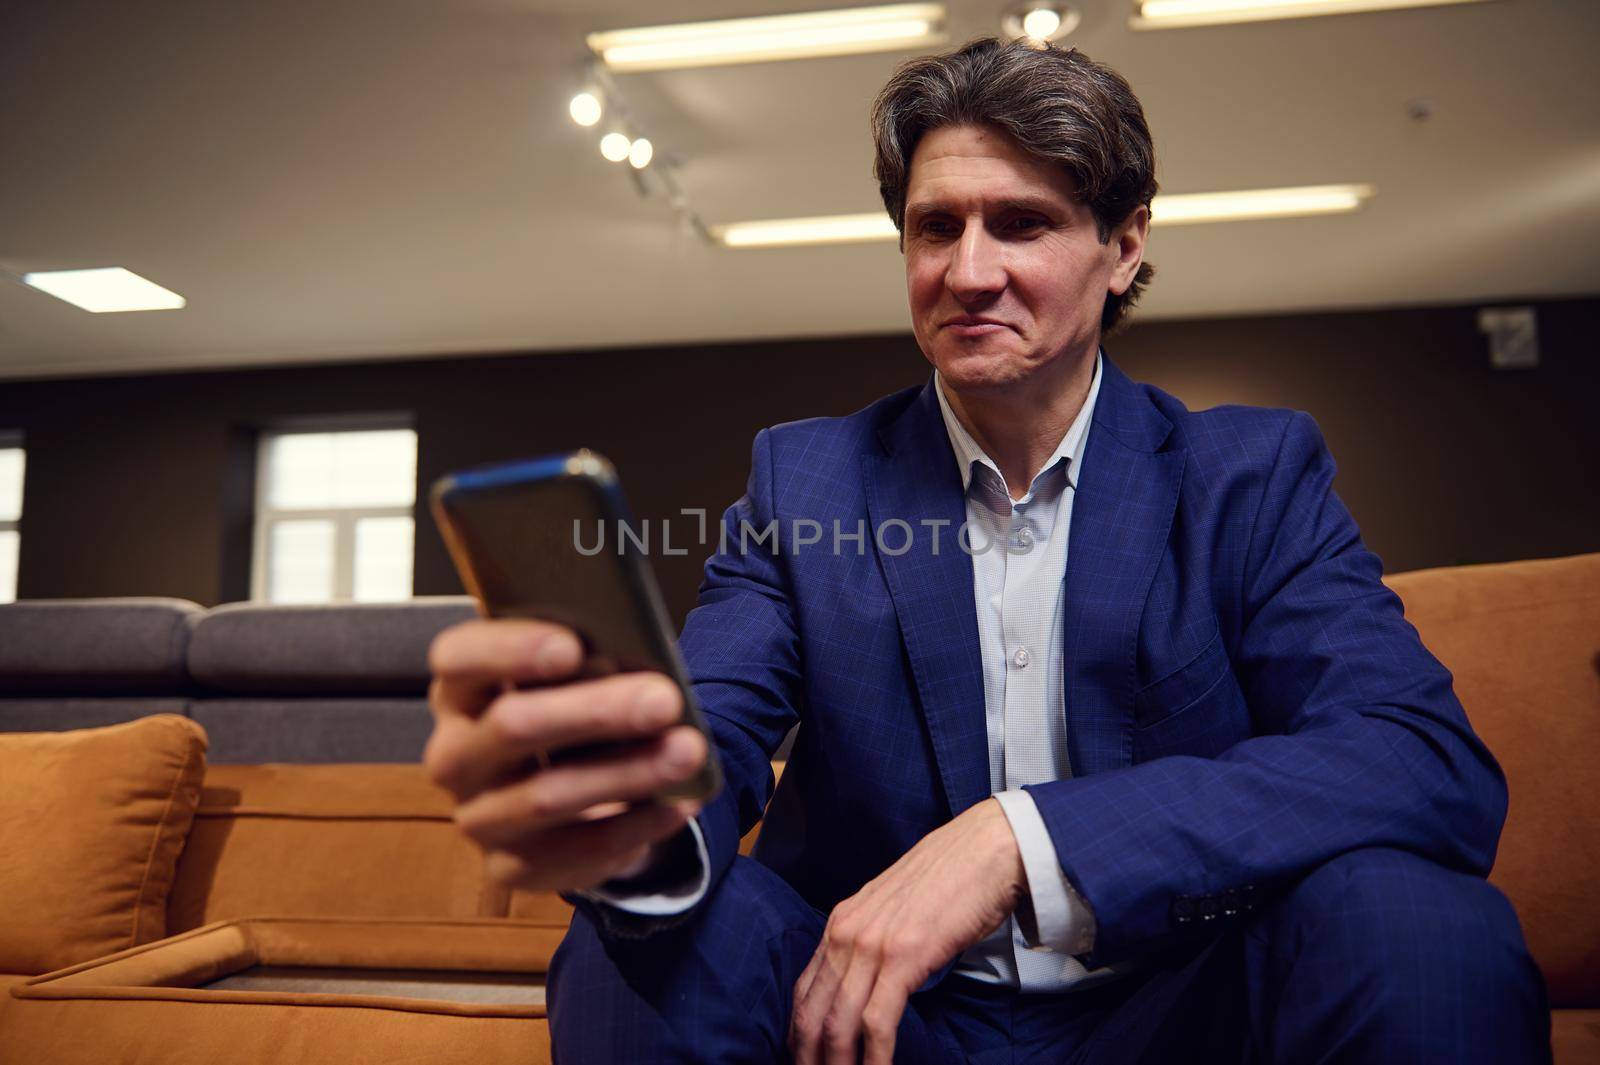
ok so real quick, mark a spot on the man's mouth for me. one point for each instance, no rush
(974, 325)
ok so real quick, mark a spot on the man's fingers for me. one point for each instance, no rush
(880, 1019)
(624, 707)
(476, 655)
(467, 756)
(560, 794)
(841, 1025)
(578, 856)
(812, 1005)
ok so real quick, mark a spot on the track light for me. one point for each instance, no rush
(584, 109)
(1039, 21)
(640, 153)
(614, 146)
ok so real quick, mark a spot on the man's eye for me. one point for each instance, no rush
(935, 228)
(1027, 224)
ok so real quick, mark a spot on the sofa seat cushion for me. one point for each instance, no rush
(92, 822)
(327, 841)
(1523, 642)
(188, 1000)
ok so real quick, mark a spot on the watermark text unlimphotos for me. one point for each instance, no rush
(896, 536)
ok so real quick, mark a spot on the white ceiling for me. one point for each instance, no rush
(344, 180)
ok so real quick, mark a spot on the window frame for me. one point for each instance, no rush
(13, 438)
(344, 518)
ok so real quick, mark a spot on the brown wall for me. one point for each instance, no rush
(140, 485)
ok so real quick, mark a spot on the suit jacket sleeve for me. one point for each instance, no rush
(1357, 741)
(742, 650)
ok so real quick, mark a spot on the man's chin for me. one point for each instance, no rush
(972, 369)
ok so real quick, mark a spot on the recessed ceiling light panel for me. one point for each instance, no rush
(807, 35)
(105, 290)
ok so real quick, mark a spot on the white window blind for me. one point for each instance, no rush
(12, 462)
(334, 516)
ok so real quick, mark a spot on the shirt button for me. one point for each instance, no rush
(1021, 658)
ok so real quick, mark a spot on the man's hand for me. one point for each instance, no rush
(578, 823)
(949, 891)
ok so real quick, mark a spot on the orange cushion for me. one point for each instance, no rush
(91, 822)
(159, 1002)
(1575, 1036)
(327, 841)
(1523, 641)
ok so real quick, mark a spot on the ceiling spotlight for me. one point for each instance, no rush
(1039, 22)
(584, 109)
(640, 154)
(614, 146)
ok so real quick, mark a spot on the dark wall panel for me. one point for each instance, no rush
(139, 485)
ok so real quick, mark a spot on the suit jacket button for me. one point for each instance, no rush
(1230, 903)
(1208, 908)
(1183, 909)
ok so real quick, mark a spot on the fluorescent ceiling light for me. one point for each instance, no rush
(1190, 207)
(756, 40)
(1168, 14)
(835, 229)
(104, 290)
(1172, 210)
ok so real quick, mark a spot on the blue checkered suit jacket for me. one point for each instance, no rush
(1244, 699)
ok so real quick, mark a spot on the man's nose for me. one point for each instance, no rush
(977, 268)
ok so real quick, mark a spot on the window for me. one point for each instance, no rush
(334, 516)
(11, 468)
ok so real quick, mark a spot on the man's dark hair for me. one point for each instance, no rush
(1056, 104)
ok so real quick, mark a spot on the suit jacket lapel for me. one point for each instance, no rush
(915, 480)
(1121, 518)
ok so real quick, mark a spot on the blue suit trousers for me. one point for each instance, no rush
(1375, 956)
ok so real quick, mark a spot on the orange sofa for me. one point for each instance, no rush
(333, 912)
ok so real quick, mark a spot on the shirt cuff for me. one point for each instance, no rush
(1064, 920)
(677, 899)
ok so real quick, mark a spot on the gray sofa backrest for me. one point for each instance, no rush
(269, 683)
(83, 663)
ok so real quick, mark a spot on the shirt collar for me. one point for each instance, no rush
(969, 453)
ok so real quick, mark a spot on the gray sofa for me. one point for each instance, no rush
(269, 683)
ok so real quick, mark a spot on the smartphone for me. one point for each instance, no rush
(551, 538)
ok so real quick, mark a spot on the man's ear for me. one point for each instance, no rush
(1129, 243)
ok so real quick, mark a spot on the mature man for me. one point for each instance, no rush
(1113, 746)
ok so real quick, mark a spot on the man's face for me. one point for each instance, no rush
(1006, 275)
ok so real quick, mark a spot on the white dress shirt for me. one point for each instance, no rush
(1017, 592)
(1019, 566)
